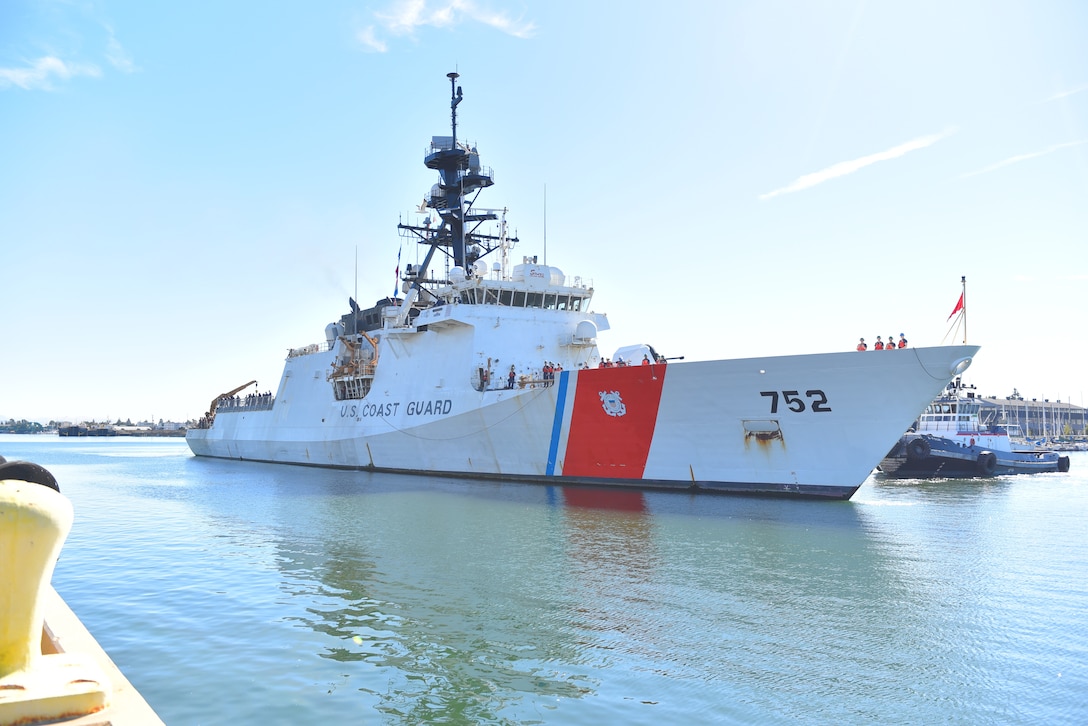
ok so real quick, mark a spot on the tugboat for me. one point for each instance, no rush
(951, 441)
(490, 368)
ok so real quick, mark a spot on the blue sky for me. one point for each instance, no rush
(185, 186)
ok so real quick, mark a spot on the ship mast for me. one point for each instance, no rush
(460, 175)
(459, 225)
(961, 309)
(458, 169)
(959, 313)
(963, 282)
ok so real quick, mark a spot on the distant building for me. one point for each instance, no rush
(1035, 418)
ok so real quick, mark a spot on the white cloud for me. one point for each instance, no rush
(43, 71)
(1066, 94)
(118, 56)
(370, 41)
(844, 168)
(500, 21)
(405, 17)
(1021, 157)
(1073, 277)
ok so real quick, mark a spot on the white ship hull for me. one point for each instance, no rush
(809, 425)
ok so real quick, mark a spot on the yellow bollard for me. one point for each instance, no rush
(34, 521)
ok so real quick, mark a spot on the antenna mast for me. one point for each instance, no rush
(459, 227)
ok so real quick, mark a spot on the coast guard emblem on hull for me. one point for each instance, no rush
(612, 403)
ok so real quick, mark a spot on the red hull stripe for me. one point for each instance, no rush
(612, 421)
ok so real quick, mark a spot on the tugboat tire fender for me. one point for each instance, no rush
(1063, 464)
(917, 449)
(34, 473)
(986, 463)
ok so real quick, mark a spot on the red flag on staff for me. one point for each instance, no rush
(959, 306)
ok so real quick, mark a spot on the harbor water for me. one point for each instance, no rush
(239, 593)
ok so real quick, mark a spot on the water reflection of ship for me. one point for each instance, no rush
(477, 598)
(441, 624)
(609, 537)
(435, 637)
(620, 500)
(612, 556)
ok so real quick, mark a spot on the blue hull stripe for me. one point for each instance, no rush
(557, 424)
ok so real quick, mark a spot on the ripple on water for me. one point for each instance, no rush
(253, 593)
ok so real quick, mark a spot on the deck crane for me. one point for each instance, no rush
(210, 415)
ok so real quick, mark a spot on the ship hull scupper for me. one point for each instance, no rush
(809, 425)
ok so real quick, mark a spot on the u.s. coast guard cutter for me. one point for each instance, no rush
(487, 369)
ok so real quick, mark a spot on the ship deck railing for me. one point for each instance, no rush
(248, 403)
(309, 349)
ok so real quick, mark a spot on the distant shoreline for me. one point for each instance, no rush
(171, 433)
(174, 433)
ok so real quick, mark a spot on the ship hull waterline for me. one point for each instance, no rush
(803, 425)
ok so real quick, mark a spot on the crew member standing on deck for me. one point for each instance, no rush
(879, 345)
(891, 343)
(862, 346)
(902, 341)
